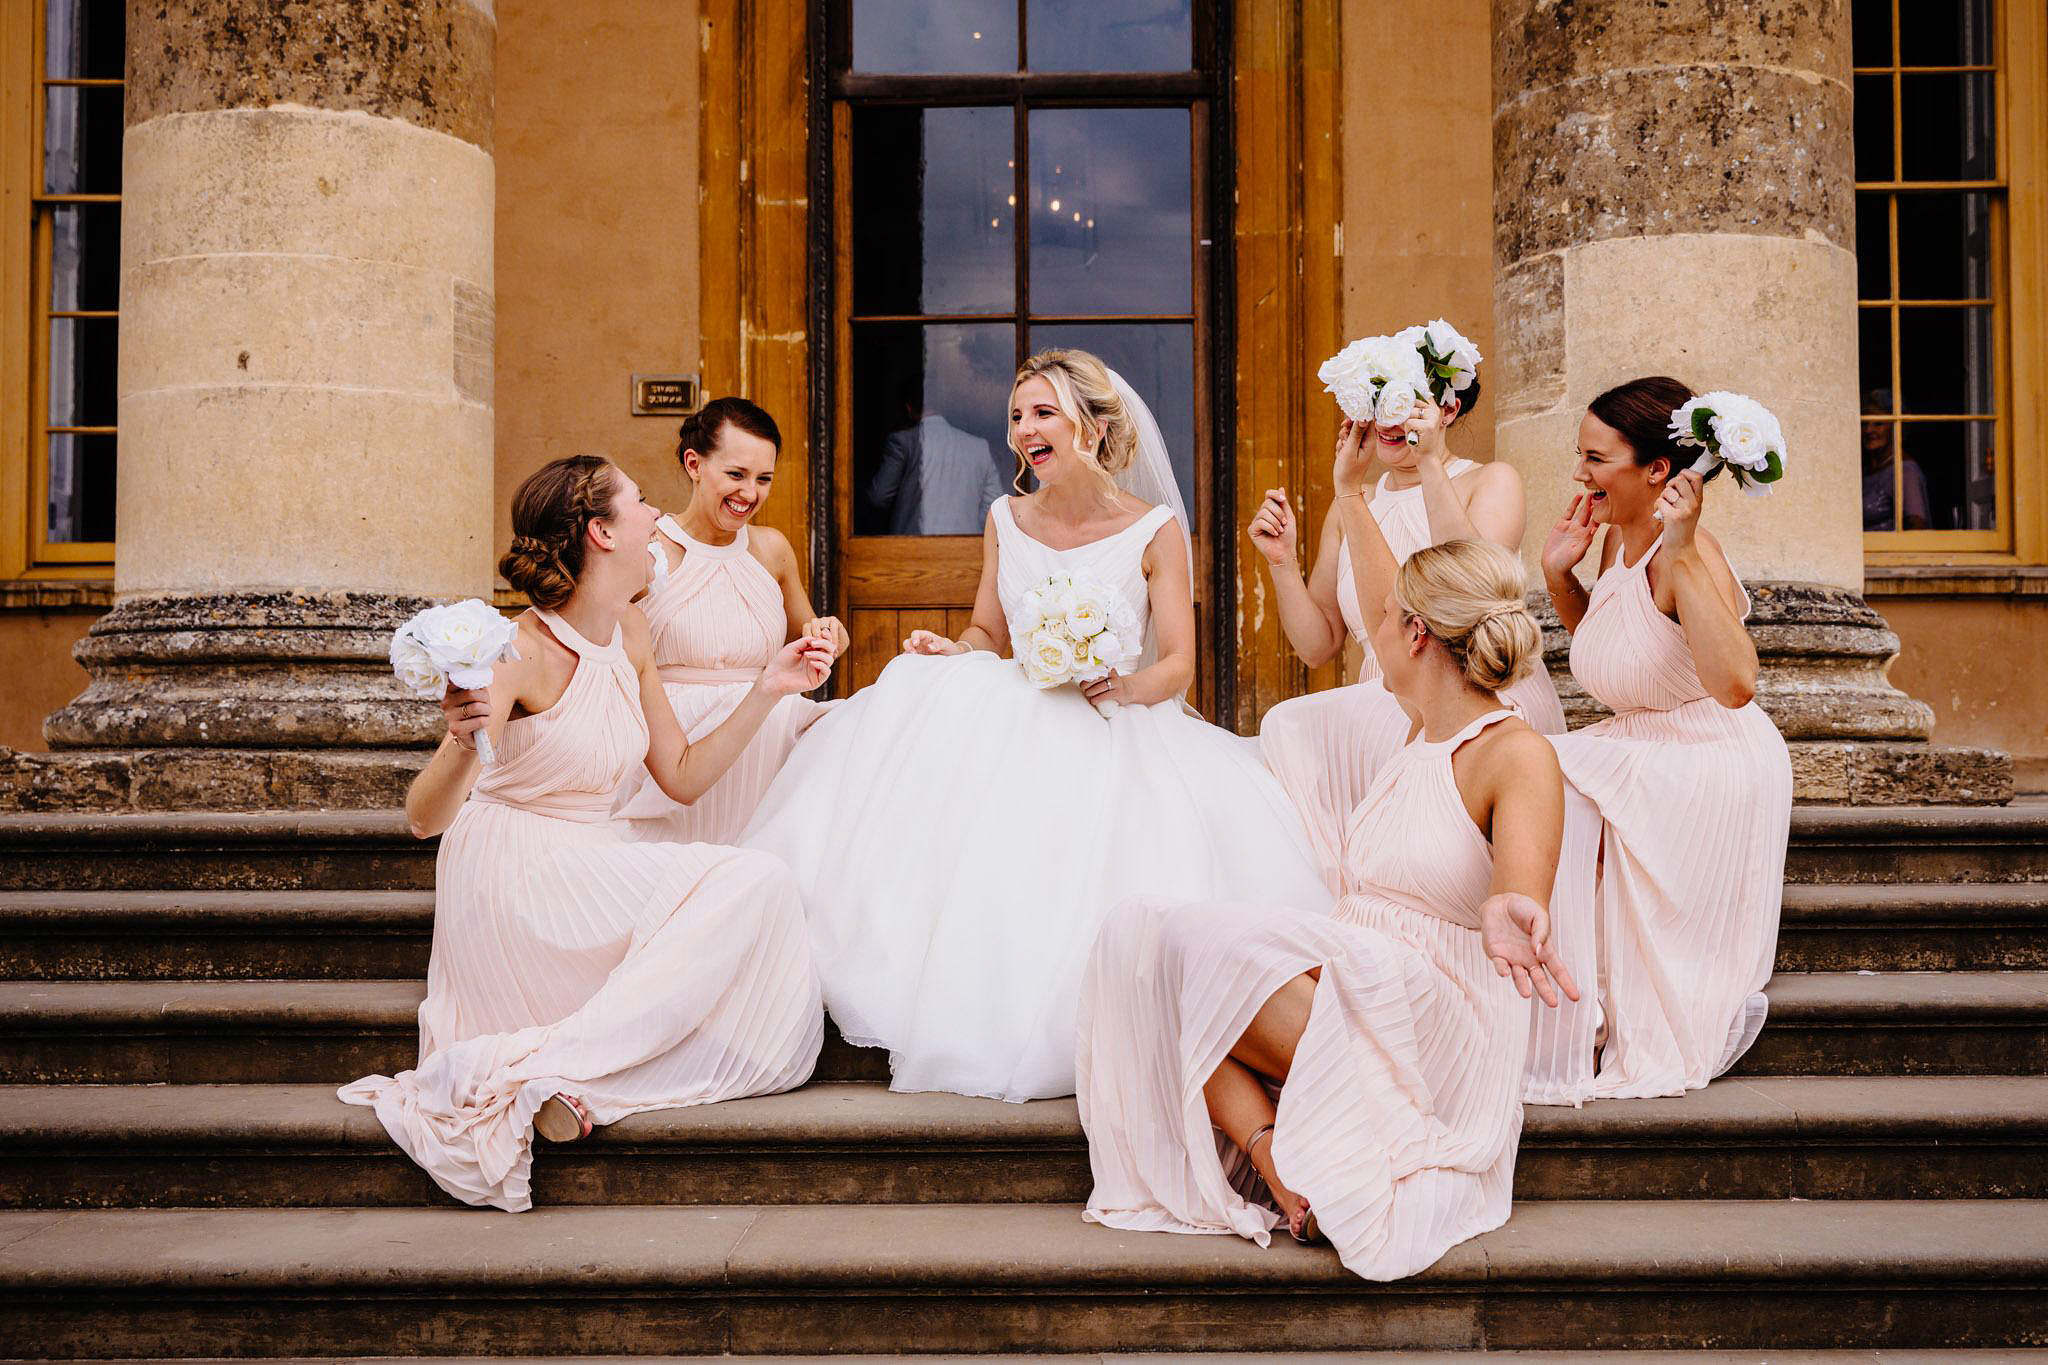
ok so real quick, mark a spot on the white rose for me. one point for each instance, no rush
(1453, 345)
(1345, 377)
(414, 667)
(1086, 617)
(465, 640)
(1741, 442)
(1397, 403)
(1048, 659)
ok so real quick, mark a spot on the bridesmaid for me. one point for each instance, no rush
(1327, 747)
(726, 595)
(1676, 893)
(1365, 1069)
(577, 978)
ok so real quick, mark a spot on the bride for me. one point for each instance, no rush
(958, 834)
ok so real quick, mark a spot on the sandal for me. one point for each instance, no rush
(562, 1118)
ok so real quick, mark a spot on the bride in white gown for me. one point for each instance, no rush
(958, 834)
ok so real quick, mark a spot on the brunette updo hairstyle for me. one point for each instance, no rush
(1468, 399)
(1469, 594)
(1082, 390)
(702, 430)
(549, 514)
(1641, 411)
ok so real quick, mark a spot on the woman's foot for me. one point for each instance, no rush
(1301, 1219)
(562, 1119)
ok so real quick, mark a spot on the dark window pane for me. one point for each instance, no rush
(82, 360)
(1871, 25)
(1110, 211)
(919, 37)
(1945, 360)
(1944, 246)
(1944, 32)
(1874, 357)
(1131, 35)
(1880, 492)
(1873, 246)
(85, 257)
(81, 488)
(1874, 128)
(1955, 463)
(1158, 361)
(1947, 122)
(934, 226)
(85, 38)
(930, 448)
(82, 140)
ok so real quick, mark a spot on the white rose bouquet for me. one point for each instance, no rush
(1074, 630)
(1449, 359)
(454, 645)
(1734, 430)
(1377, 379)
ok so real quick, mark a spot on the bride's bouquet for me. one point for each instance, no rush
(1449, 358)
(1073, 629)
(1377, 379)
(1734, 430)
(457, 644)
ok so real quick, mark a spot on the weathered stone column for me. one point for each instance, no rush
(305, 390)
(1674, 194)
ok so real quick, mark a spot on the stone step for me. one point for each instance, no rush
(933, 1278)
(373, 850)
(1776, 1357)
(278, 1146)
(193, 1032)
(358, 935)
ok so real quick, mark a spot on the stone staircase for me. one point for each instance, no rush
(180, 993)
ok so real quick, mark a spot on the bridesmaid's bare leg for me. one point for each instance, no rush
(1239, 1105)
(1267, 1046)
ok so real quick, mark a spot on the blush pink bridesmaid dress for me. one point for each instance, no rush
(1673, 870)
(629, 976)
(717, 619)
(1327, 747)
(1400, 1119)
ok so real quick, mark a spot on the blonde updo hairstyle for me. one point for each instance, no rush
(1469, 594)
(550, 513)
(1082, 390)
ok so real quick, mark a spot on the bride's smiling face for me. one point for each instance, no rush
(1045, 437)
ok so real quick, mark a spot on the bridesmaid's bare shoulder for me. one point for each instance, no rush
(771, 547)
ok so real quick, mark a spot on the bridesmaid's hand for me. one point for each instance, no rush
(1679, 507)
(467, 713)
(931, 642)
(1516, 933)
(1570, 538)
(1352, 464)
(1115, 687)
(829, 629)
(803, 664)
(1273, 530)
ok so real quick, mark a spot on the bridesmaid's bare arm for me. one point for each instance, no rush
(684, 770)
(1372, 559)
(1309, 614)
(1690, 579)
(1515, 776)
(778, 556)
(435, 796)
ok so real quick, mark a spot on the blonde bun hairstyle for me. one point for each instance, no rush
(1469, 594)
(549, 514)
(1082, 389)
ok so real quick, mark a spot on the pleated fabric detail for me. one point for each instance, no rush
(567, 960)
(1673, 874)
(1400, 1119)
(719, 611)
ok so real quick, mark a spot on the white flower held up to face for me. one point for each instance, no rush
(414, 667)
(1736, 429)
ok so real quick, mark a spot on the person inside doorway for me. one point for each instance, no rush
(1880, 449)
(934, 479)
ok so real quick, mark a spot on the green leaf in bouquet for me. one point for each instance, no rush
(1773, 470)
(1703, 426)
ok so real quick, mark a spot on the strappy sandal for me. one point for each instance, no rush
(562, 1118)
(1310, 1232)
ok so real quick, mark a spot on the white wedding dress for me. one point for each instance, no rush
(958, 836)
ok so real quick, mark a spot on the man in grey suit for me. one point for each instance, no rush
(934, 479)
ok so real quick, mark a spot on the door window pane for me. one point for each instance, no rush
(1127, 35)
(1945, 246)
(82, 357)
(84, 39)
(81, 504)
(919, 37)
(1874, 353)
(1881, 511)
(1943, 32)
(1110, 211)
(930, 427)
(1874, 128)
(934, 210)
(85, 257)
(1946, 120)
(82, 139)
(1955, 463)
(1158, 361)
(1945, 362)
(1873, 246)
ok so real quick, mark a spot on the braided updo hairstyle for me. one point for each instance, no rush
(1469, 594)
(1086, 397)
(549, 515)
(1641, 411)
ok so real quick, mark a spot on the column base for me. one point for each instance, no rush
(1855, 739)
(233, 701)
